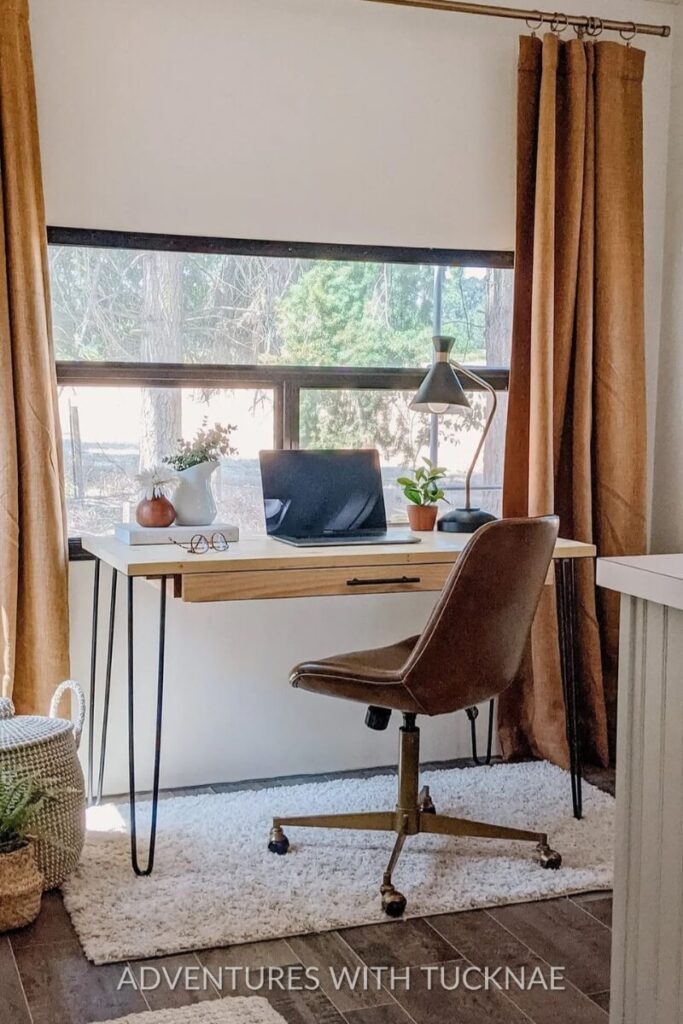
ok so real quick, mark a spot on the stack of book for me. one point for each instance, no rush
(131, 533)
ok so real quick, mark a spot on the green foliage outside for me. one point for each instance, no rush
(116, 304)
(376, 314)
(368, 314)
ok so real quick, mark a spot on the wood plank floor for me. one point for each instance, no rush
(45, 979)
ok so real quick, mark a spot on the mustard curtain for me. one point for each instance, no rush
(34, 619)
(576, 434)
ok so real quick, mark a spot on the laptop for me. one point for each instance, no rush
(326, 497)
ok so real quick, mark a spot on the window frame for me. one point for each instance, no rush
(286, 382)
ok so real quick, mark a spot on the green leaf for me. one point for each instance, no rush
(20, 800)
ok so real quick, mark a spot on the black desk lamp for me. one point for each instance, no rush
(441, 392)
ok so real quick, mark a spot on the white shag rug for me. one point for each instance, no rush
(215, 883)
(235, 1010)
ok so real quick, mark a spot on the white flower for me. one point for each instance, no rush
(156, 482)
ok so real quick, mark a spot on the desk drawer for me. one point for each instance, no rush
(264, 583)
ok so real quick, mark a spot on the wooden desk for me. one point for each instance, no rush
(261, 569)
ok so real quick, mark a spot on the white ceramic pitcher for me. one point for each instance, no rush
(193, 499)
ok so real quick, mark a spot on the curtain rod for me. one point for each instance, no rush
(592, 26)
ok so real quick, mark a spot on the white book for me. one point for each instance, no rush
(132, 533)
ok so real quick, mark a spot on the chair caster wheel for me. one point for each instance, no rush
(425, 803)
(547, 858)
(393, 902)
(279, 843)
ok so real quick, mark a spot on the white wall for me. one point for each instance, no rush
(667, 512)
(313, 120)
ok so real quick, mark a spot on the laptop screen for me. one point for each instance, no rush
(318, 493)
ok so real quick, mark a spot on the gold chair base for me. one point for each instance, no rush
(414, 813)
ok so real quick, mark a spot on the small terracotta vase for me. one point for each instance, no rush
(155, 512)
(422, 517)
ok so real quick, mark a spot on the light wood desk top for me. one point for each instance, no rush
(266, 554)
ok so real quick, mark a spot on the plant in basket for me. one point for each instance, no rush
(21, 883)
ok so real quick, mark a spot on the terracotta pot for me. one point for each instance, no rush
(155, 512)
(21, 888)
(422, 517)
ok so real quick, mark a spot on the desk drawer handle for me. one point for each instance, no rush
(380, 582)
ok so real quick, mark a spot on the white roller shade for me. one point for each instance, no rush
(310, 120)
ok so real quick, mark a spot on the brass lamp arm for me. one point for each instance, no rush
(487, 426)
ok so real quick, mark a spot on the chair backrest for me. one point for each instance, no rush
(472, 646)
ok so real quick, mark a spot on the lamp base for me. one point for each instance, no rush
(464, 520)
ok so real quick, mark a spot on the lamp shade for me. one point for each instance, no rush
(440, 391)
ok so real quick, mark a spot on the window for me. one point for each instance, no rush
(311, 346)
(110, 432)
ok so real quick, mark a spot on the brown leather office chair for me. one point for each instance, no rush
(469, 651)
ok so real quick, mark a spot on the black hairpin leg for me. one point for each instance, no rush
(566, 614)
(93, 678)
(131, 734)
(473, 714)
(107, 686)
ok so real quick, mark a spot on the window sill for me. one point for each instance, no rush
(77, 552)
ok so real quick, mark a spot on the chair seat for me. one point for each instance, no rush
(369, 677)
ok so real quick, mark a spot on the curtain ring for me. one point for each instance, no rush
(594, 27)
(628, 33)
(533, 28)
(557, 25)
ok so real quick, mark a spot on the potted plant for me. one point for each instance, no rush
(21, 883)
(195, 461)
(423, 492)
(156, 484)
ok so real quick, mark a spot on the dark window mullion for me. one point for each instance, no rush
(278, 417)
(169, 375)
(154, 242)
(290, 406)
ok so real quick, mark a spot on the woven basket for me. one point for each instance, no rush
(46, 749)
(21, 888)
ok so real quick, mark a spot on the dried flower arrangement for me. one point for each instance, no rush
(156, 482)
(208, 445)
(154, 508)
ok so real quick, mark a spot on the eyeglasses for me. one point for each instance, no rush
(199, 544)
